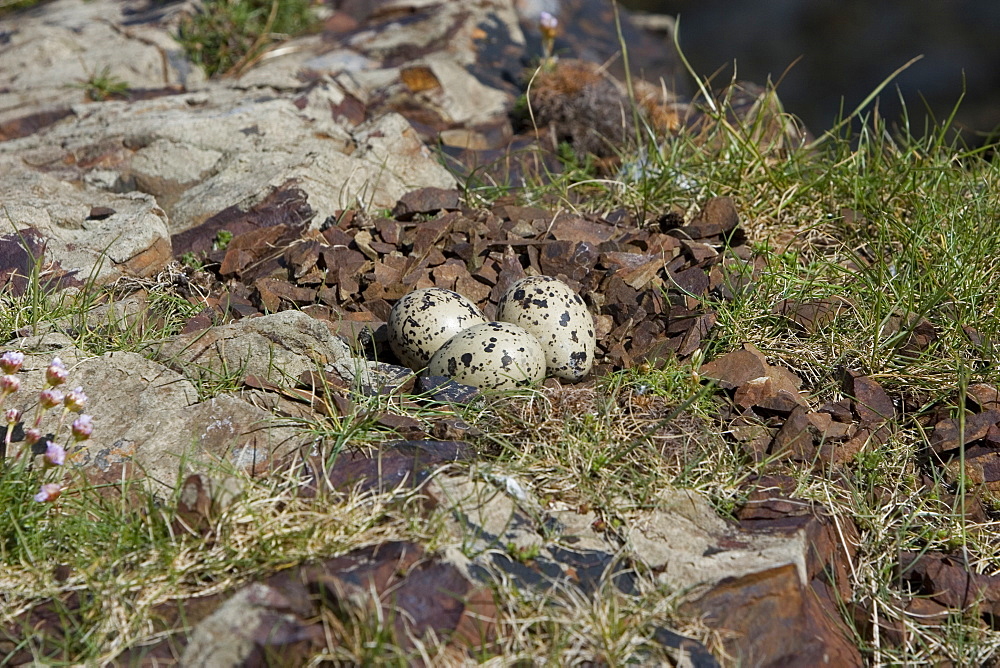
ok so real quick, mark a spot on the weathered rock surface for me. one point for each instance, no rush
(176, 434)
(200, 152)
(737, 579)
(50, 52)
(411, 596)
(275, 347)
(83, 235)
(254, 626)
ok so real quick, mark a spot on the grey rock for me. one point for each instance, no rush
(275, 347)
(133, 240)
(149, 423)
(680, 539)
(50, 53)
(240, 629)
(202, 152)
(50, 341)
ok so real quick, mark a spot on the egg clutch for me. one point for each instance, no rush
(543, 328)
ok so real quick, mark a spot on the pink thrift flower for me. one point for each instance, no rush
(82, 428)
(12, 416)
(50, 398)
(55, 454)
(32, 436)
(49, 492)
(548, 25)
(75, 399)
(9, 384)
(56, 372)
(10, 361)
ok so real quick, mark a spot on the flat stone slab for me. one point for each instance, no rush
(50, 51)
(89, 236)
(149, 423)
(277, 347)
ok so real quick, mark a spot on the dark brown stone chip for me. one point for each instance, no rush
(425, 201)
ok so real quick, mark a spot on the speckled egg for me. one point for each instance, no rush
(494, 355)
(423, 320)
(559, 319)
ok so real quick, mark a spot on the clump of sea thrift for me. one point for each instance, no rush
(54, 456)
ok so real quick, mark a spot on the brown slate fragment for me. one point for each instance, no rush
(761, 489)
(868, 400)
(982, 468)
(922, 335)
(453, 429)
(572, 259)
(516, 212)
(639, 277)
(799, 435)
(717, 217)
(696, 251)
(444, 390)
(337, 237)
(984, 396)
(200, 502)
(389, 230)
(427, 233)
(347, 284)
(32, 123)
(273, 291)
(337, 258)
(201, 320)
(572, 228)
(736, 368)
(277, 621)
(690, 341)
(830, 539)
(250, 246)
(404, 425)
(771, 619)
(447, 274)
(947, 435)
(770, 394)
(416, 593)
(945, 580)
(665, 246)
(425, 201)
(471, 288)
(395, 464)
(100, 213)
(840, 411)
(351, 109)
(622, 261)
(813, 437)
(287, 205)
(302, 255)
(692, 282)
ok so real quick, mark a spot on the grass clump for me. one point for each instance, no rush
(103, 85)
(227, 36)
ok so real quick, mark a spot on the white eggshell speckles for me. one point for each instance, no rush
(559, 319)
(423, 320)
(494, 355)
